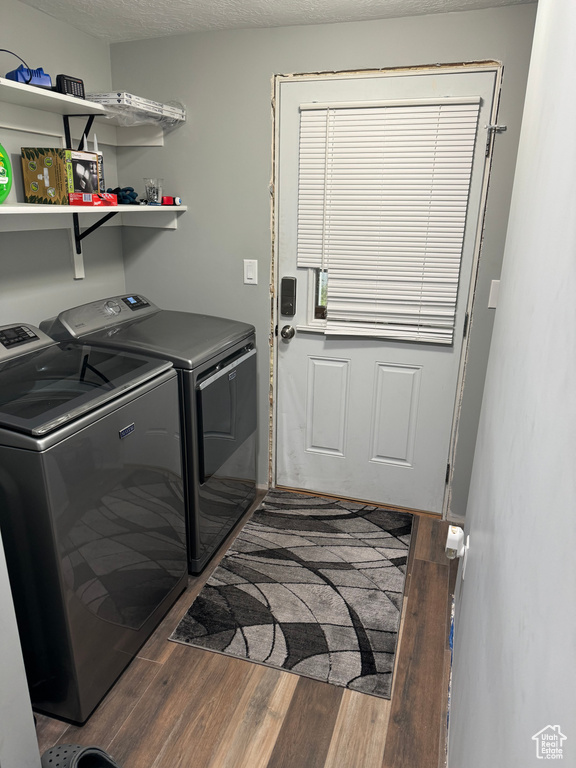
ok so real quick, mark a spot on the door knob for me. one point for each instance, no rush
(287, 332)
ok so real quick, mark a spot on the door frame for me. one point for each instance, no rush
(277, 81)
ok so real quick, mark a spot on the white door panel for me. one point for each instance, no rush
(394, 429)
(326, 404)
(366, 418)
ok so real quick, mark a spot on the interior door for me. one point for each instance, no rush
(366, 418)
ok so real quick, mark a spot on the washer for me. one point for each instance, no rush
(216, 363)
(91, 509)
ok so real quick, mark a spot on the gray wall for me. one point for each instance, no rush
(18, 745)
(515, 650)
(37, 279)
(220, 162)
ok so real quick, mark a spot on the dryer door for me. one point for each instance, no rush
(226, 403)
(226, 417)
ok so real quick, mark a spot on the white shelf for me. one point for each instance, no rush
(23, 209)
(29, 216)
(48, 101)
(22, 217)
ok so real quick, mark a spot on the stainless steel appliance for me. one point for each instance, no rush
(91, 509)
(216, 363)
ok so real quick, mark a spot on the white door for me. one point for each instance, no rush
(367, 418)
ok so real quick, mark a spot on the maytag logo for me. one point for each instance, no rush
(126, 431)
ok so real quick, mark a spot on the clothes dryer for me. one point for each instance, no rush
(91, 509)
(215, 359)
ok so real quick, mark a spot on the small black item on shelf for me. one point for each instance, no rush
(71, 86)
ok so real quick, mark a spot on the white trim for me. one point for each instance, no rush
(424, 69)
(498, 72)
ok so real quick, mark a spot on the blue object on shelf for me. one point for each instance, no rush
(22, 75)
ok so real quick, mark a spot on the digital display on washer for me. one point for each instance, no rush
(19, 334)
(135, 302)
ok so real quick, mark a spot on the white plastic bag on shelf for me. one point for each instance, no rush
(126, 109)
(128, 116)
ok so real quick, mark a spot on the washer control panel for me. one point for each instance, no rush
(20, 339)
(135, 302)
(98, 315)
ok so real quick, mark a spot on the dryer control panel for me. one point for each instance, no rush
(98, 315)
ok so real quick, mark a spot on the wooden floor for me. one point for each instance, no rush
(181, 707)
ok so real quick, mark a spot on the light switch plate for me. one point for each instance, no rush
(250, 272)
(493, 297)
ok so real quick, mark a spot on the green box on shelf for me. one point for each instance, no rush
(50, 174)
(47, 174)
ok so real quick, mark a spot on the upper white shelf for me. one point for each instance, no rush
(110, 130)
(48, 101)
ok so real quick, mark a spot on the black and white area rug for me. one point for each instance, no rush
(313, 586)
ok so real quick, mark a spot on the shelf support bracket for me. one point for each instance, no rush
(77, 256)
(68, 135)
(81, 235)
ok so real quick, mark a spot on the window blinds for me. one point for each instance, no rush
(382, 200)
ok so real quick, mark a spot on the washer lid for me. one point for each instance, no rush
(44, 389)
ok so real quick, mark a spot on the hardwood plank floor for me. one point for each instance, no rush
(359, 735)
(177, 706)
(420, 667)
(306, 732)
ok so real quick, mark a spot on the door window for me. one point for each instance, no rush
(382, 201)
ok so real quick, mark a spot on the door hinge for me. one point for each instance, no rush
(492, 130)
(447, 474)
(465, 331)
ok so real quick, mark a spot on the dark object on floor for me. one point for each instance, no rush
(313, 586)
(76, 756)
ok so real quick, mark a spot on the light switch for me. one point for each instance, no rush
(250, 272)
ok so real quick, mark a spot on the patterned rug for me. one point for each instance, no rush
(313, 586)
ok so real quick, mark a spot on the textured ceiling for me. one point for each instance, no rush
(122, 20)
